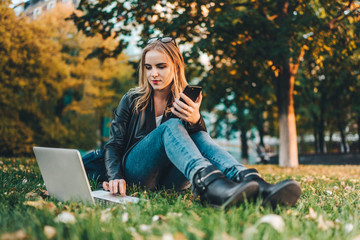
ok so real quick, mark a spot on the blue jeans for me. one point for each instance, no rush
(169, 157)
(94, 165)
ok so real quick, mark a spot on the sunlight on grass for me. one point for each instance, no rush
(328, 209)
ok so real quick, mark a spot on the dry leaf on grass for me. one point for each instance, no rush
(18, 235)
(325, 224)
(65, 217)
(49, 232)
(125, 217)
(41, 204)
(32, 194)
(167, 236)
(312, 214)
(105, 215)
(349, 227)
(179, 236)
(275, 221)
(144, 228)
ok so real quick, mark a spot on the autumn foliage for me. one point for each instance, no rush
(51, 92)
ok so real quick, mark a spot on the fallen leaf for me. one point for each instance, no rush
(105, 215)
(312, 214)
(249, 232)
(349, 227)
(155, 218)
(275, 221)
(18, 235)
(65, 217)
(125, 217)
(179, 236)
(324, 224)
(41, 204)
(49, 231)
(144, 228)
(32, 194)
(136, 236)
(167, 236)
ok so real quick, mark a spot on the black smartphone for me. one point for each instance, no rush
(192, 92)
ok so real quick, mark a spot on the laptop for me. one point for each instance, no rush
(65, 178)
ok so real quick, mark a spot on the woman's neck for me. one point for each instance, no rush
(160, 101)
(162, 94)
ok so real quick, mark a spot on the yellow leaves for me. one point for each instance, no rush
(204, 11)
(269, 63)
(275, 70)
(232, 72)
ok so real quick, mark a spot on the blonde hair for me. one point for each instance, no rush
(145, 90)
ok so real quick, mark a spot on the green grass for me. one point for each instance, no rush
(329, 208)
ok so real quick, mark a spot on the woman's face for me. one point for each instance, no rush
(158, 70)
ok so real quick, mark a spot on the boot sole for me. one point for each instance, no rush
(247, 191)
(286, 194)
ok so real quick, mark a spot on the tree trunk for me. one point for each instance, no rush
(316, 145)
(322, 125)
(244, 145)
(261, 135)
(343, 140)
(288, 151)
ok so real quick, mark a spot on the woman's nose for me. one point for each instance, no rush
(154, 73)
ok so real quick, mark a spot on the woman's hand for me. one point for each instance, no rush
(190, 111)
(116, 186)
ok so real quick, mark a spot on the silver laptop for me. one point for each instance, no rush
(65, 177)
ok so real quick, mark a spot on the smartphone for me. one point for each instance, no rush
(192, 92)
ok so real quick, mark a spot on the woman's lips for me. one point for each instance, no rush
(156, 81)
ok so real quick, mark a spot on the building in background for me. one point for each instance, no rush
(34, 8)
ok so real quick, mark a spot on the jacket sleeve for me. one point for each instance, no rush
(199, 126)
(115, 148)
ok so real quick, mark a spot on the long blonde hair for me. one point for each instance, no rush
(145, 90)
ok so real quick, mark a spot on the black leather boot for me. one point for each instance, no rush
(283, 193)
(218, 191)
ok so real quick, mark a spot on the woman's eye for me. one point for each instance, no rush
(148, 67)
(162, 66)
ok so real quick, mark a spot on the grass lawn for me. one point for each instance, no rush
(329, 208)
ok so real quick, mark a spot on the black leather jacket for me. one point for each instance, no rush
(128, 128)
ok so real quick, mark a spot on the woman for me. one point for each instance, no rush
(157, 140)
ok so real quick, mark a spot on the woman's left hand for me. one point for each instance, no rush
(190, 111)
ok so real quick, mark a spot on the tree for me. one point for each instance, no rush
(52, 92)
(278, 32)
(328, 80)
(30, 74)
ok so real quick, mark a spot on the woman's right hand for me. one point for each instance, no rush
(115, 186)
